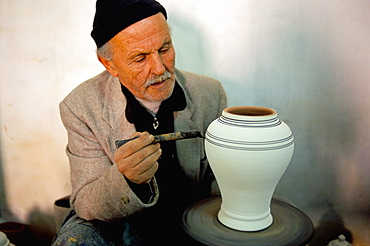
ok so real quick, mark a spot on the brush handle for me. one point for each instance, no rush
(165, 137)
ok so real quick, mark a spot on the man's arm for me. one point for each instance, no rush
(100, 190)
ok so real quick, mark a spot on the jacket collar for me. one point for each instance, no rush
(183, 119)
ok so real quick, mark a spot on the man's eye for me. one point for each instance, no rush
(164, 49)
(139, 59)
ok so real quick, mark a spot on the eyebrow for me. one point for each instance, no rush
(169, 42)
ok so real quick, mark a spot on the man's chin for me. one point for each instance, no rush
(160, 91)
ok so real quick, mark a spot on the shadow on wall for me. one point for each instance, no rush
(330, 226)
(39, 230)
(193, 54)
(3, 202)
(41, 227)
(297, 78)
(189, 45)
(2, 186)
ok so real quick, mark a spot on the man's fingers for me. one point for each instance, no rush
(137, 159)
(130, 148)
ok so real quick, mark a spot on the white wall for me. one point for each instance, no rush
(309, 60)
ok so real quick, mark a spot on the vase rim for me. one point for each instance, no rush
(250, 111)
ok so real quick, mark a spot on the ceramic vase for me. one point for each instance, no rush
(249, 149)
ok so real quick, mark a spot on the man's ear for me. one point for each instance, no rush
(108, 65)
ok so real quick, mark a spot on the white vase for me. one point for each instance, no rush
(249, 149)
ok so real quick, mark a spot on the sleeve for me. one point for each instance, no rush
(99, 190)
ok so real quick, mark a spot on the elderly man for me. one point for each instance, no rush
(135, 194)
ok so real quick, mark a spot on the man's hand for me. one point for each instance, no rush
(137, 159)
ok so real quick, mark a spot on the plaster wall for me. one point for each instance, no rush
(309, 60)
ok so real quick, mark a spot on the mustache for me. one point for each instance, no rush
(158, 78)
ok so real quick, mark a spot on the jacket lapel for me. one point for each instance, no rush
(114, 114)
(188, 151)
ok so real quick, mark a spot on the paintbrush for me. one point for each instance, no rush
(165, 137)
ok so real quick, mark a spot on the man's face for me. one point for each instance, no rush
(144, 59)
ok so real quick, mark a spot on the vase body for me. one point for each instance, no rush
(249, 149)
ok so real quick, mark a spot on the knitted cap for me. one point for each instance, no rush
(112, 16)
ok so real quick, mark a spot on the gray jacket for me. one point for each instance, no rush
(94, 116)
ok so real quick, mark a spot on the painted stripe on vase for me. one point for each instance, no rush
(248, 145)
(250, 123)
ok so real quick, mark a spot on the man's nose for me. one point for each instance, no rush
(157, 65)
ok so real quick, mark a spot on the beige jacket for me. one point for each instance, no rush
(94, 116)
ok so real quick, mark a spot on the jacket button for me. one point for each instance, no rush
(125, 199)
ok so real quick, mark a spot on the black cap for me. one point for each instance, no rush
(112, 16)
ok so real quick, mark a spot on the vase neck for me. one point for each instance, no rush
(250, 116)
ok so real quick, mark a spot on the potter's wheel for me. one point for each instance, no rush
(290, 226)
